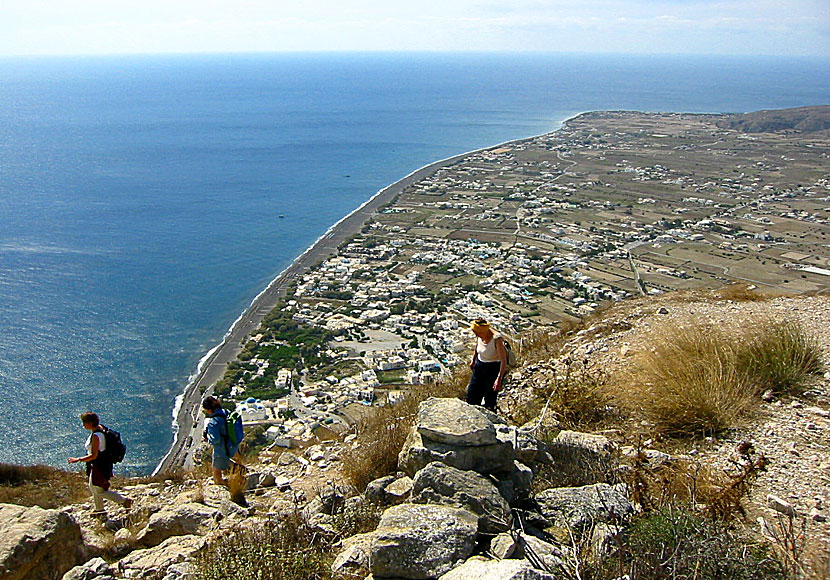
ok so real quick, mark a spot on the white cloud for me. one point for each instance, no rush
(82, 26)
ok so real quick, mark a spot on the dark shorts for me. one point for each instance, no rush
(480, 390)
(221, 460)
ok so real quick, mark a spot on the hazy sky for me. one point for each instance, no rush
(777, 27)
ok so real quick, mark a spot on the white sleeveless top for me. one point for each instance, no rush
(487, 351)
(102, 442)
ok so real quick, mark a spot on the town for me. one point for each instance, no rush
(529, 234)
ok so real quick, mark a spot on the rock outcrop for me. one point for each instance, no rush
(453, 422)
(37, 543)
(578, 508)
(421, 541)
(456, 434)
(444, 485)
(481, 569)
(151, 563)
(465, 466)
(187, 519)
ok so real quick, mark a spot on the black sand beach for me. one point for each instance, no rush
(188, 416)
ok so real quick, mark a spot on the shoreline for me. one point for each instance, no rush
(187, 424)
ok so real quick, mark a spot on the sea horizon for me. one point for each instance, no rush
(236, 144)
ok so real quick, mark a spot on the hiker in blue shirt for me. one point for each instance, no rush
(216, 433)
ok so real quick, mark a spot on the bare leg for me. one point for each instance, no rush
(218, 478)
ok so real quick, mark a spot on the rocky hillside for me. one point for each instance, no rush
(802, 119)
(792, 432)
(477, 497)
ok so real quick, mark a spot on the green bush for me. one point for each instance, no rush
(286, 549)
(680, 545)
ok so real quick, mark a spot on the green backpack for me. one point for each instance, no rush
(233, 427)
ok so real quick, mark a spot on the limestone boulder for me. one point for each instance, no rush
(421, 541)
(527, 446)
(503, 546)
(418, 452)
(152, 563)
(579, 508)
(454, 422)
(95, 569)
(376, 489)
(185, 519)
(481, 569)
(353, 557)
(444, 485)
(37, 543)
(581, 458)
(515, 486)
(399, 490)
(257, 479)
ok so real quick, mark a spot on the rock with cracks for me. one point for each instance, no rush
(418, 452)
(441, 484)
(189, 518)
(152, 563)
(95, 569)
(353, 557)
(37, 543)
(454, 422)
(578, 508)
(581, 458)
(480, 569)
(421, 541)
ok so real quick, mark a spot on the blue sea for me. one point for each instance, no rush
(140, 195)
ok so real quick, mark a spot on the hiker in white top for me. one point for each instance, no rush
(98, 465)
(489, 366)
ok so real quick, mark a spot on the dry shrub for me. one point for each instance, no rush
(716, 493)
(286, 548)
(575, 398)
(679, 544)
(690, 523)
(381, 434)
(238, 483)
(40, 485)
(779, 355)
(540, 344)
(700, 379)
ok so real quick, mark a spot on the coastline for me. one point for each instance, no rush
(187, 424)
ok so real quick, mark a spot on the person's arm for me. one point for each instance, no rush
(502, 352)
(475, 355)
(214, 436)
(93, 452)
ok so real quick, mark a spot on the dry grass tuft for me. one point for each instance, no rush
(688, 383)
(539, 345)
(779, 355)
(238, 483)
(700, 379)
(39, 485)
(575, 398)
(381, 435)
(286, 548)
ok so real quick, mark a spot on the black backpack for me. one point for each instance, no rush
(115, 448)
